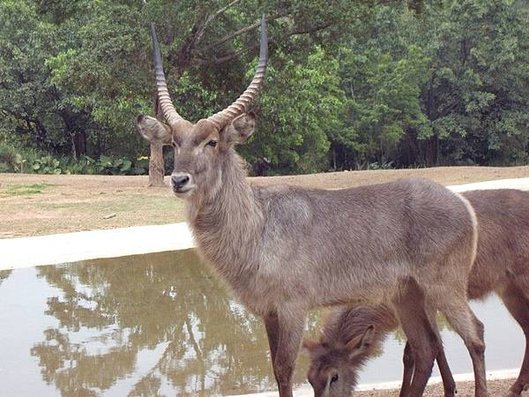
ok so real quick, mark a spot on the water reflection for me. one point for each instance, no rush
(162, 325)
(167, 307)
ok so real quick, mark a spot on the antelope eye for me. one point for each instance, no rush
(173, 144)
(334, 378)
(212, 143)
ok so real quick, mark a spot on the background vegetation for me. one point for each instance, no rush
(350, 85)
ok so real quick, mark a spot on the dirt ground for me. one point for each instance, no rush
(496, 388)
(43, 204)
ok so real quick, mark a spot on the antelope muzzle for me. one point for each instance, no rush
(182, 183)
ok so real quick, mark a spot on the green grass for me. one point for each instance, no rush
(24, 190)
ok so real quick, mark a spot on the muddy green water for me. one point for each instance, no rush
(162, 325)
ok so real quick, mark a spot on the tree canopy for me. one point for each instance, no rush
(349, 84)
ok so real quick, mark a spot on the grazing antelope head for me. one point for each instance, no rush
(335, 364)
(203, 147)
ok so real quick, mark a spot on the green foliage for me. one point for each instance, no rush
(384, 100)
(299, 126)
(114, 166)
(349, 84)
(479, 79)
(46, 165)
(13, 159)
(382, 73)
(10, 159)
(106, 165)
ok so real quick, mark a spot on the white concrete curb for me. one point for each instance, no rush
(515, 183)
(72, 247)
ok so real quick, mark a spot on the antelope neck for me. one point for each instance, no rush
(228, 224)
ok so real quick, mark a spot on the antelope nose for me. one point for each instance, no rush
(180, 180)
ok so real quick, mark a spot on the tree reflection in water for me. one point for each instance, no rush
(113, 311)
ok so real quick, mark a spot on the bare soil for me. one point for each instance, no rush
(44, 204)
(496, 388)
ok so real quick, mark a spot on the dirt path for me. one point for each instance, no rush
(496, 388)
(44, 204)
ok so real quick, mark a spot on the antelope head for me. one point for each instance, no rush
(201, 148)
(334, 365)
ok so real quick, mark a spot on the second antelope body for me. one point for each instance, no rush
(352, 335)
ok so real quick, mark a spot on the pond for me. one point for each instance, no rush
(162, 325)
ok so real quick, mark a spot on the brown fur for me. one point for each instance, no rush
(347, 342)
(284, 250)
(501, 267)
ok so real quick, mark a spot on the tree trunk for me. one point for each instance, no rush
(156, 165)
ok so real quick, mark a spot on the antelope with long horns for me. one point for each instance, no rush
(284, 250)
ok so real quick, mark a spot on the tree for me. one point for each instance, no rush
(401, 83)
(299, 127)
(382, 70)
(290, 20)
(476, 94)
(27, 101)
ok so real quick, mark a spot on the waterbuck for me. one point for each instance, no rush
(351, 336)
(284, 250)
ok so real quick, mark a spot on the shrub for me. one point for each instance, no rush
(10, 159)
(47, 165)
(13, 159)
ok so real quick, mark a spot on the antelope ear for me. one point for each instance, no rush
(360, 344)
(310, 345)
(153, 130)
(240, 129)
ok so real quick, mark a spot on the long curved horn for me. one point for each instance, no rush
(238, 107)
(164, 99)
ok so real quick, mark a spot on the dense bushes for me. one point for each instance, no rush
(349, 85)
(10, 160)
(31, 161)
